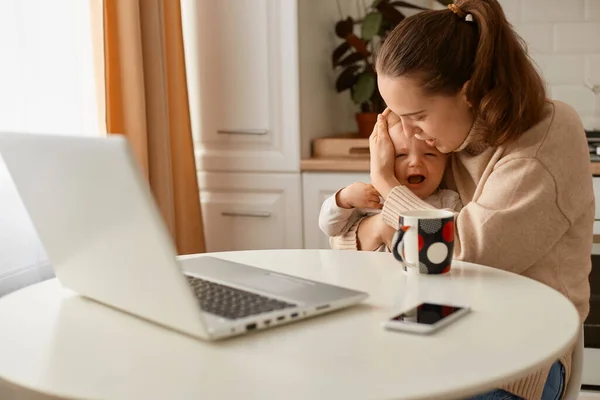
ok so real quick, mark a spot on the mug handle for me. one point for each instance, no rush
(398, 245)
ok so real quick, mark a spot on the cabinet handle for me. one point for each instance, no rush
(258, 132)
(258, 214)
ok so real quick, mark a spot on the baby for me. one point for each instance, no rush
(418, 166)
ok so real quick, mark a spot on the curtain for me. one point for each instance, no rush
(147, 101)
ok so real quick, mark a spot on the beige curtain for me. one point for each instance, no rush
(146, 100)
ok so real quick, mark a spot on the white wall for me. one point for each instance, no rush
(564, 41)
(47, 86)
(323, 112)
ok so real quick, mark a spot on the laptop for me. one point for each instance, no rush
(97, 219)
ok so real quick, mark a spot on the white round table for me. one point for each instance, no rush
(57, 343)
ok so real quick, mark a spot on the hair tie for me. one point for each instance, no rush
(456, 10)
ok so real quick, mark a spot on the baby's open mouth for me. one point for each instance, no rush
(415, 179)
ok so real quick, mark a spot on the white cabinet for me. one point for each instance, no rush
(242, 80)
(242, 71)
(251, 211)
(316, 187)
(596, 182)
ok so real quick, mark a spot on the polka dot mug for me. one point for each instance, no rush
(425, 241)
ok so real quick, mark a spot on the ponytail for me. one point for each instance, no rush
(470, 42)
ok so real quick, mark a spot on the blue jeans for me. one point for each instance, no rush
(553, 389)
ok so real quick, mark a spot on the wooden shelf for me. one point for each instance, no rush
(335, 164)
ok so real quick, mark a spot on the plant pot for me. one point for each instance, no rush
(366, 123)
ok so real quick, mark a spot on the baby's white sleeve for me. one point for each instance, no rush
(450, 200)
(333, 218)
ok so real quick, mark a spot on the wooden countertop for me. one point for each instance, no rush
(362, 165)
(335, 164)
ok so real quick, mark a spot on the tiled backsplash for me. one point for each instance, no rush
(563, 37)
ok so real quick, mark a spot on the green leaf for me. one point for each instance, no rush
(339, 53)
(364, 88)
(389, 12)
(347, 78)
(386, 27)
(344, 27)
(371, 25)
(351, 59)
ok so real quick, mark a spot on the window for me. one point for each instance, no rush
(47, 85)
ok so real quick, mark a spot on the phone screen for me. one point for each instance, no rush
(426, 313)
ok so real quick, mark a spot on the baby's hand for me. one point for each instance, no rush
(358, 195)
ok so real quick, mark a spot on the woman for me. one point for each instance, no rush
(461, 80)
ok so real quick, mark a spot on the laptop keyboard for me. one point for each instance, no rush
(232, 303)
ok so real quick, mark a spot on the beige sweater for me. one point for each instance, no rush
(335, 220)
(528, 209)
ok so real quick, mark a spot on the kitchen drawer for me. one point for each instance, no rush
(252, 211)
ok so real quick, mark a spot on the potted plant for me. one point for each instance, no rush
(353, 58)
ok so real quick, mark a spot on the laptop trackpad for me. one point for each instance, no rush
(275, 283)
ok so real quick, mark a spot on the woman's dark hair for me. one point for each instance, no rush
(445, 49)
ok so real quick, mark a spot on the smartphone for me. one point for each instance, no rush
(426, 318)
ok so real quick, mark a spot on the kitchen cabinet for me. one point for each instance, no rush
(248, 211)
(596, 181)
(242, 72)
(242, 76)
(316, 187)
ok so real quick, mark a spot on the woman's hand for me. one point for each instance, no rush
(382, 157)
(386, 232)
(373, 232)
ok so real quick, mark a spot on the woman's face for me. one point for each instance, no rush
(442, 121)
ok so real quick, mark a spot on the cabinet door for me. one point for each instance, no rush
(317, 187)
(251, 211)
(596, 182)
(242, 73)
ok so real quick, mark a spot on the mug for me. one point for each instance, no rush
(425, 241)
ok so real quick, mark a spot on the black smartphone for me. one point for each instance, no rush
(426, 318)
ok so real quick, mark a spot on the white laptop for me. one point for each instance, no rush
(98, 222)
